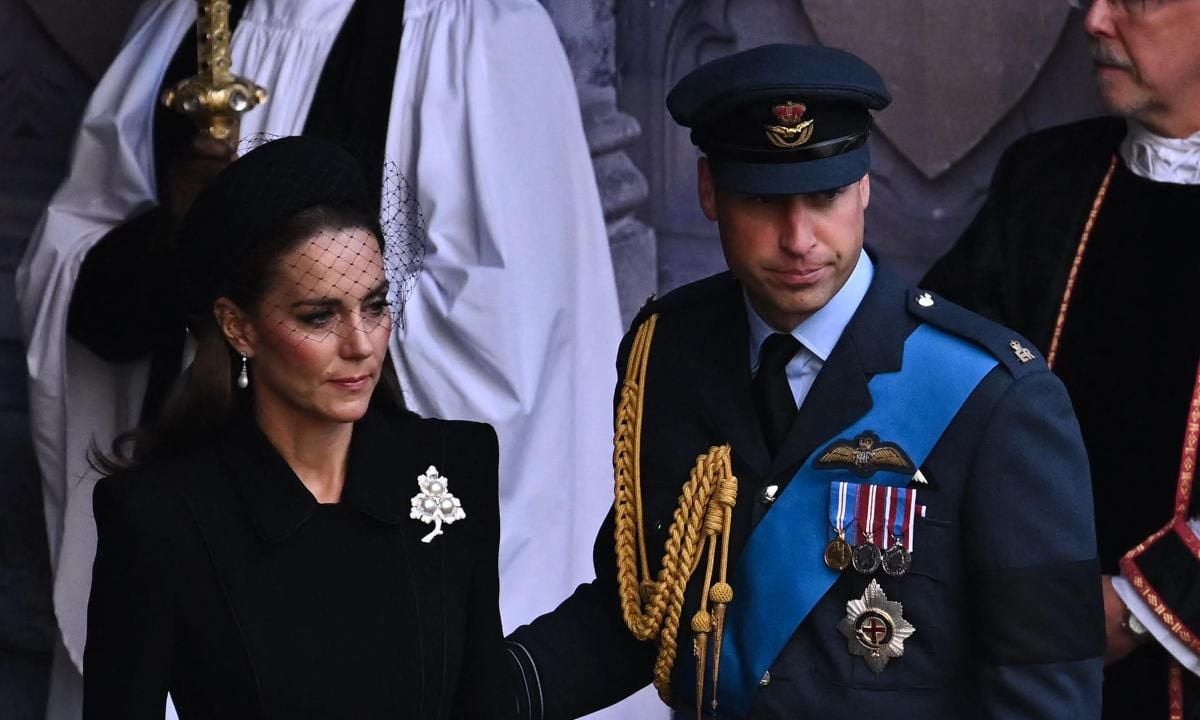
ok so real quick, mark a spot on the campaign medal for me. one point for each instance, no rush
(875, 628)
(867, 557)
(839, 553)
(896, 560)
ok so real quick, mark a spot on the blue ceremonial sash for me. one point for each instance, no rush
(781, 573)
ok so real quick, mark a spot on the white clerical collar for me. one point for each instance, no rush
(821, 331)
(1162, 159)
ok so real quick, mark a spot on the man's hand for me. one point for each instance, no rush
(1119, 641)
(193, 168)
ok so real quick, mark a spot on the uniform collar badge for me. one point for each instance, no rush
(434, 503)
(875, 628)
(864, 455)
(792, 130)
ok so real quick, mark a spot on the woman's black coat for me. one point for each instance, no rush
(218, 578)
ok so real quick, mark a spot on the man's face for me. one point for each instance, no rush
(792, 253)
(1146, 56)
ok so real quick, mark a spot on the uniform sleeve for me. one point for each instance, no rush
(127, 660)
(1034, 578)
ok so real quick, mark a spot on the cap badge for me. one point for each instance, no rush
(793, 130)
(434, 503)
(864, 455)
(875, 628)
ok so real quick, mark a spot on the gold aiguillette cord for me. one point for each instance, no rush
(651, 607)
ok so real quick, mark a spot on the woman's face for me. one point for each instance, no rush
(320, 336)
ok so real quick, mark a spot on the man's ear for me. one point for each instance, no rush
(235, 326)
(864, 191)
(706, 188)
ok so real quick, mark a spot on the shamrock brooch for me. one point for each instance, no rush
(434, 503)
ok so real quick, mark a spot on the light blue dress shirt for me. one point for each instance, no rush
(819, 333)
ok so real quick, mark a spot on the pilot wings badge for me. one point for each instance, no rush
(864, 455)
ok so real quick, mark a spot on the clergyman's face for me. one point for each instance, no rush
(321, 332)
(792, 253)
(1146, 58)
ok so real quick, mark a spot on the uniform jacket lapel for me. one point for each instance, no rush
(872, 343)
(726, 398)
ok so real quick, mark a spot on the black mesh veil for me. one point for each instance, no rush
(292, 232)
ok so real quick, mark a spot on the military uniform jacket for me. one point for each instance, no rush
(1003, 589)
(220, 579)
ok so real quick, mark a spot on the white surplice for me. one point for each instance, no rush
(513, 321)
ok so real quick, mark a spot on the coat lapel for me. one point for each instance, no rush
(386, 457)
(723, 350)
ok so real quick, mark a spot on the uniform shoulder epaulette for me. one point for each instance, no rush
(685, 296)
(1012, 350)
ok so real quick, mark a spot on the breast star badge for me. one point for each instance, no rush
(875, 628)
(435, 503)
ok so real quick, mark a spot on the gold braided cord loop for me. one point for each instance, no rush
(627, 492)
(651, 607)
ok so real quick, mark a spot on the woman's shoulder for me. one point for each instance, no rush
(457, 434)
(477, 435)
(465, 454)
(153, 491)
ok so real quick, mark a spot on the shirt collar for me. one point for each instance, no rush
(1161, 159)
(821, 330)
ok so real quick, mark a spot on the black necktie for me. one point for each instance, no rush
(772, 394)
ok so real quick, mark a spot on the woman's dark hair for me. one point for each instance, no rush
(229, 244)
(203, 398)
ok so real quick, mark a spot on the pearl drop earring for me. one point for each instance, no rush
(243, 380)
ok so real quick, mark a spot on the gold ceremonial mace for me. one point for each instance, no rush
(214, 98)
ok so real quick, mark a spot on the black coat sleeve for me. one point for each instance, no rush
(127, 660)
